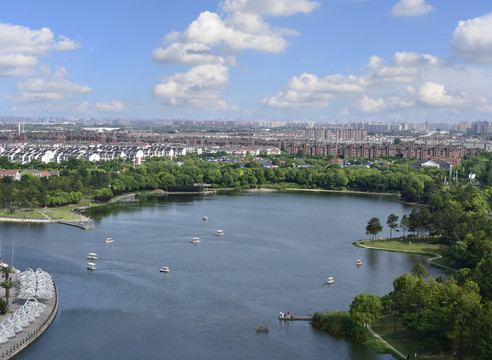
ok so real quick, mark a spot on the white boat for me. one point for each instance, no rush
(359, 263)
(109, 241)
(195, 240)
(220, 232)
(205, 218)
(92, 256)
(164, 269)
(330, 280)
(91, 266)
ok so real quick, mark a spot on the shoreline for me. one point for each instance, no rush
(429, 261)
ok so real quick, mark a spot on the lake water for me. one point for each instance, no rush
(276, 254)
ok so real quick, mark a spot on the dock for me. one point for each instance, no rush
(86, 225)
(295, 318)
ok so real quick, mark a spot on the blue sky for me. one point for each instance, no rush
(332, 60)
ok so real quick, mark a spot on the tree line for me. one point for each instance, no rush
(103, 180)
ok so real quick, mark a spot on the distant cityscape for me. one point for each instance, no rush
(23, 139)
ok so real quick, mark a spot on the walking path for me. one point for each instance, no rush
(384, 341)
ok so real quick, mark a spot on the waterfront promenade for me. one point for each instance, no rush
(30, 333)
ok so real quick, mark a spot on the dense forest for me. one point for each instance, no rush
(452, 314)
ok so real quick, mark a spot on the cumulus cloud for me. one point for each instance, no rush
(411, 8)
(185, 53)
(435, 94)
(111, 107)
(21, 48)
(270, 7)
(405, 67)
(237, 27)
(200, 86)
(472, 40)
(309, 91)
(406, 81)
(54, 86)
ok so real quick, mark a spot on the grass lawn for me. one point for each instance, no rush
(405, 342)
(29, 214)
(414, 245)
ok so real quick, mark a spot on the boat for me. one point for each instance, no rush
(91, 266)
(205, 218)
(109, 241)
(195, 240)
(359, 263)
(262, 328)
(164, 269)
(330, 280)
(220, 232)
(92, 256)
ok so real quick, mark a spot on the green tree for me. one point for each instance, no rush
(7, 284)
(404, 224)
(391, 222)
(366, 308)
(373, 227)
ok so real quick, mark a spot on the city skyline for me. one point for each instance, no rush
(356, 60)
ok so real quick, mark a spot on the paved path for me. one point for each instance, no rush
(384, 341)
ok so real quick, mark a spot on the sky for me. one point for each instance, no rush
(279, 60)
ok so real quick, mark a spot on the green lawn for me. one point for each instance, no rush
(420, 246)
(28, 214)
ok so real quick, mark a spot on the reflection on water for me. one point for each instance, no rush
(276, 254)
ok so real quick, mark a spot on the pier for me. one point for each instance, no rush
(86, 225)
(295, 318)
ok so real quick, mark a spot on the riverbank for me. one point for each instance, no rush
(410, 245)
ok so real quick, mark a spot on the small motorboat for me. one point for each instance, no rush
(359, 263)
(109, 241)
(220, 232)
(330, 280)
(164, 269)
(205, 218)
(92, 256)
(195, 240)
(91, 266)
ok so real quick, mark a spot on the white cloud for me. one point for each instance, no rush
(367, 104)
(21, 48)
(309, 91)
(111, 107)
(270, 7)
(185, 53)
(435, 94)
(405, 67)
(472, 40)
(212, 41)
(411, 8)
(50, 87)
(237, 32)
(201, 86)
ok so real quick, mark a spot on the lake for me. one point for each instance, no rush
(277, 251)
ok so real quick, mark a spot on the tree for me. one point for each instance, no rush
(373, 227)
(391, 222)
(420, 271)
(7, 284)
(404, 224)
(366, 308)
